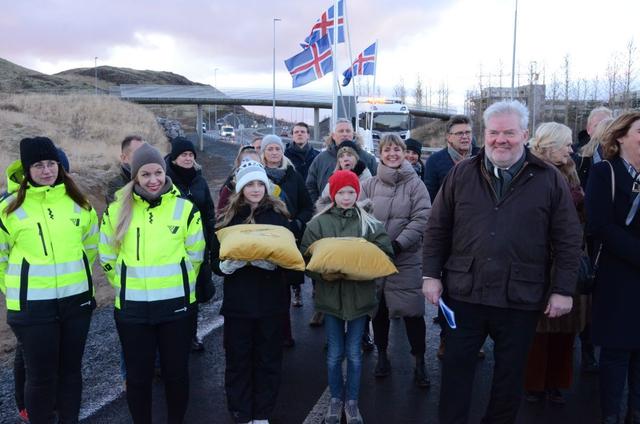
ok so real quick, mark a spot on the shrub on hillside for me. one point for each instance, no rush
(88, 128)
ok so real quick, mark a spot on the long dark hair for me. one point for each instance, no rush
(70, 186)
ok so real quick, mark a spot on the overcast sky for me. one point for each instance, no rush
(449, 42)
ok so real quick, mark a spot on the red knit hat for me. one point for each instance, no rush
(341, 179)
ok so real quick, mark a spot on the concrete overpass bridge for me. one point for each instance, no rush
(200, 95)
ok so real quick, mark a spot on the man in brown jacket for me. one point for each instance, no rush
(493, 228)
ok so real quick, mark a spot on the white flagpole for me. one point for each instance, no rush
(375, 69)
(334, 29)
(348, 34)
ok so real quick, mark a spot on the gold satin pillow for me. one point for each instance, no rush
(355, 258)
(250, 242)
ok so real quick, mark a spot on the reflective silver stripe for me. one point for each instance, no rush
(196, 255)
(20, 213)
(57, 292)
(177, 212)
(194, 238)
(154, 271)
(92, 231)
(105, 240)
(76, 208)
(106, 258)
(49, 293)
(13, 293)
(156, 294)
(4, 246)
(4, 259)
(48, 270)
(90, 247)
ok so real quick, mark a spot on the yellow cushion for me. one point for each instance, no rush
(250, 242)
(355, 258)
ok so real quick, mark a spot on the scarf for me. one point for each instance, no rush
(275, 174)
(456, 156)
(502, 177)
(152, 197)
(183, 175)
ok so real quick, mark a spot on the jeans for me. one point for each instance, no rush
(341, 344)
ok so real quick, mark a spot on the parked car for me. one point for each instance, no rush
(227, 131)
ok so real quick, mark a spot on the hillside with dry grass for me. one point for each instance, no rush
(88, 128)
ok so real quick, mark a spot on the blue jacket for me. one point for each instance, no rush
(437, 167)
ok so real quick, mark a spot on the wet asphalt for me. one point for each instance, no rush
(303, 395)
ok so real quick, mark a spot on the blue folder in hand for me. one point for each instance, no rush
(449, 315)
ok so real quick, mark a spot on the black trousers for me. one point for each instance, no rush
(416, 330)
(172, 341)
(52, 355)
(512, 332)
(253, 349)
(19, 377)
(616, 367)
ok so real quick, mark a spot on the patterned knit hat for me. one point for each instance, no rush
(250, 170)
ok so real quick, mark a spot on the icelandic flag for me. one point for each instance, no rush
(365, 64)
(312, 63)
(324, 26)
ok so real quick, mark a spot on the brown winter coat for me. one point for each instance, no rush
(498, 252)
(401, 202)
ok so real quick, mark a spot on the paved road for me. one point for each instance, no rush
(392, 400)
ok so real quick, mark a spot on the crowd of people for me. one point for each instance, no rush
(527, 242)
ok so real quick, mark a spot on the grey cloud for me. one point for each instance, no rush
(236, 32)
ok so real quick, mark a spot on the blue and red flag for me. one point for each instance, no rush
(365, 64)
(312, 63)
(324, 26)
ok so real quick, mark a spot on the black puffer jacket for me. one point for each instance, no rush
(297, 197)
(195, 188)
(252, 292)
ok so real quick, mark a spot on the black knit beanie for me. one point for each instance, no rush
(36, 149)
(414, 146)
(179, 145)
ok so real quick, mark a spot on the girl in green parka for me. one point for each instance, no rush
(346, 304)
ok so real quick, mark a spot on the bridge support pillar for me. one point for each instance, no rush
(316, 124)
(199, 127)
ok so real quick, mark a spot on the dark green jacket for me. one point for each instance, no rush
(344, 299)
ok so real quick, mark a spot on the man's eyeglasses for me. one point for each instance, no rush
(42, 165)
(459, 134)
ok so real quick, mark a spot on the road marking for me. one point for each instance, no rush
(316, 416)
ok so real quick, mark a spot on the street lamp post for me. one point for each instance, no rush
(513, 57)
(215, 107)
(95, 69)
(273, 120)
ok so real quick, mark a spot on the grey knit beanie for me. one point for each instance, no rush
(143, 155)
(271, 139)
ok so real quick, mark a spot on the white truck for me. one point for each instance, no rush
(379, 116)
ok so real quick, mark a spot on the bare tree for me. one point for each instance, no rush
(613, 75)
(629, 74)
(400, 91)
(595, 87)
(418, 92)
(565, 71)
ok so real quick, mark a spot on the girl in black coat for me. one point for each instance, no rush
(613, 222)
(186, 174)
(254, 304)
(282, 172)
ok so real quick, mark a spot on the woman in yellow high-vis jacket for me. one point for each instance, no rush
(48, 241)
(151, 248)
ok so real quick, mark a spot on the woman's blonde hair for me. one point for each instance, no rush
(550, 136)
(391, 139)
(589, 149)
(125, 197)
(237, 201)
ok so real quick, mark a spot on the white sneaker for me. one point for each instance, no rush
(260, 421)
